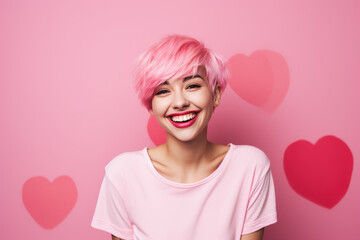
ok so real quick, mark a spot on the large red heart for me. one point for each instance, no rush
(320, 173)
(262, 79)
(49, 203)
(155, 131)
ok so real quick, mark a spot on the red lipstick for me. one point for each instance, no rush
(183, 124)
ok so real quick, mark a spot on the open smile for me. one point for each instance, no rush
(183, 120)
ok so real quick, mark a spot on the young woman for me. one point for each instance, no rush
(187, 188)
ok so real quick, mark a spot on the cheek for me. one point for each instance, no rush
(203, 100)
(159, 106)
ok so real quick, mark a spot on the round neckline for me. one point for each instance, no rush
(187, 185)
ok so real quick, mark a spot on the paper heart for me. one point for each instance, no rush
(49, 203)
(155, 131)
(262, 79)
(320, 173)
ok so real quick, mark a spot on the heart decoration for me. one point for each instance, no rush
(155, 131)
(49, 203)
(262, 79)
(320, 173)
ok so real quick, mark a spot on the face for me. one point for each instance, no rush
(183, 107)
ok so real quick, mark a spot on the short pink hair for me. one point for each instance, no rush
(176, 56)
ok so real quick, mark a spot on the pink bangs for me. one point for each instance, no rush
(175, 57)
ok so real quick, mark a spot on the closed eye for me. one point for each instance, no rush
(161, 92)
(193, 86)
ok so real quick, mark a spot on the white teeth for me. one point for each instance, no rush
(183, 118)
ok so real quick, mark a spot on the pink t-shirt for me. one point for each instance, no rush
(136, 202)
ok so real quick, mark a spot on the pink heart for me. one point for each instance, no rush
(261, 79)
(155, 131)
(320, 173)
(49, 203)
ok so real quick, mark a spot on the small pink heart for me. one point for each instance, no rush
(49, 203)
(320, 173)
(155, 131)
(262, 79)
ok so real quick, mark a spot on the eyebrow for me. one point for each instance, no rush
(191, 77)
(186, 78)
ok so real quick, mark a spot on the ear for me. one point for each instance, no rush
(217, 95)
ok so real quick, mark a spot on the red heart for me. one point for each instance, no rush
(49, 203)
(155, 131)
(261, 79)
(320, 173)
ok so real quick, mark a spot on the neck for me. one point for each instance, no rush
(190, 154)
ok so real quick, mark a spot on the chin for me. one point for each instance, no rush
(186, 136)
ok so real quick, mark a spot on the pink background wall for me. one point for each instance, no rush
(68, 105)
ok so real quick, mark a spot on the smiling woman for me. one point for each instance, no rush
(184, 106)
(188, 187)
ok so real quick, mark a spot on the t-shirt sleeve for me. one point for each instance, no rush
(261, 210)
(110, 213)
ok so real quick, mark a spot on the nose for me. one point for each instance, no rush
(180, 101)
